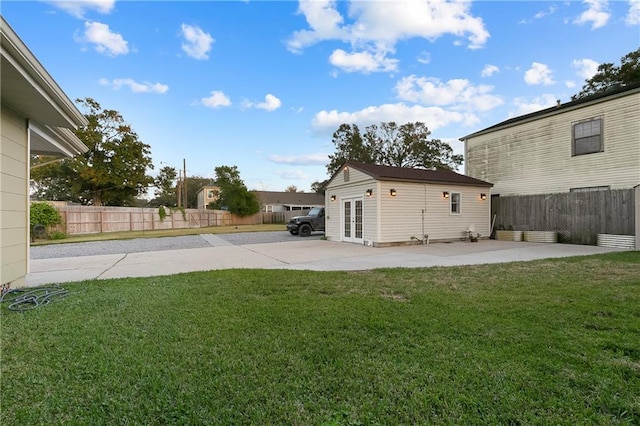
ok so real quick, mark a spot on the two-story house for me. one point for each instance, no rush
(588, 144)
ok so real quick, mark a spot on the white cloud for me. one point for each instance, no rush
(538, 74)
(633, 16)
(459, 93)
(197, 43)
(523, 106)
(597, 14)
(300, 160)
(550, 11)
(433, 117)
(570, 84)
(105, 41)
(376, 27)
(424, 58)
(585, 68)
(295, 174)
(271, 103)
(134, 86)
(216, 100)
(79, 8)
(489, 70)
(365, 62)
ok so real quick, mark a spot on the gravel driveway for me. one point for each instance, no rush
(138, 245)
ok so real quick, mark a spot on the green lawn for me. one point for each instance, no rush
(545, 342)
(124, 235)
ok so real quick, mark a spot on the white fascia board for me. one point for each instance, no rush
(61, 140)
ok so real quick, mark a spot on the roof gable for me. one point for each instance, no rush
(407, 174)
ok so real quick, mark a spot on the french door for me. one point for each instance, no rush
(352, 219)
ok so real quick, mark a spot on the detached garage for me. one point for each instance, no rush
(382, 205)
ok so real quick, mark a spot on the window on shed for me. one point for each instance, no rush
(587, 137)
(346, 174)
(455, 202)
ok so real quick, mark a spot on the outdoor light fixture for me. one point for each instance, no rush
(333, 198)
(392, 192)
(369, 192)
(445, 194)
(483, 196)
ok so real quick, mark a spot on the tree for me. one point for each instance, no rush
(318, 186)
(609, 75)
(165, 183)
(291, 188)
(407, 145)
(233, 194)
(112, 172)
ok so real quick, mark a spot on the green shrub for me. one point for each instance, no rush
(57, 235)
(44, 214)
(162, 213)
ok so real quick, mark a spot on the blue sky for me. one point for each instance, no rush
(262, 85)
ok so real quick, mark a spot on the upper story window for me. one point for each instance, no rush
(211, 193)
(587, 137)
(455, 203)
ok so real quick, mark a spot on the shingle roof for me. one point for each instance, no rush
(290, 198)
(406, 174)
(598, 97)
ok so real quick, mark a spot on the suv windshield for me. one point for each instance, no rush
(315, 211)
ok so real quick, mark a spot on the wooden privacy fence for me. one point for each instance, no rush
(78, 220)
(578, 217)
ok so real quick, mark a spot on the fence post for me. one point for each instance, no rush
(637, 209)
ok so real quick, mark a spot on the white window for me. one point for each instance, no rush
(587, 137)
(456, 200)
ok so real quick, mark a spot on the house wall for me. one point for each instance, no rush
(394, 220)
(536, 157)
(402, 215)
(356, 186)
(14, 213)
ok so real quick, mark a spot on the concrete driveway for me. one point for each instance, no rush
(296, 253)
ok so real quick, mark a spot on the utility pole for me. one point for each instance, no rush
(184, 169)
(179, 189)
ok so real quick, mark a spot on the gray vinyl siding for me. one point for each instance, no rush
(14, 214)
(536, 157)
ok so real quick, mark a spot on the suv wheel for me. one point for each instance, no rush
(305, 230)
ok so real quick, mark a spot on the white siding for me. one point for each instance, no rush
(402, 215)
(389, 220)
(536, 157)
(356, 186)
(14, 198)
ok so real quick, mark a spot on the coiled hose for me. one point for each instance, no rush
(20, 299)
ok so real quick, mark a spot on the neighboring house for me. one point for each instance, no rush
(271, 201)
(206, 195)
(584, 145)
(382, 205)
(36, 117)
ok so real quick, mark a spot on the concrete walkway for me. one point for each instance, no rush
(316, 255)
